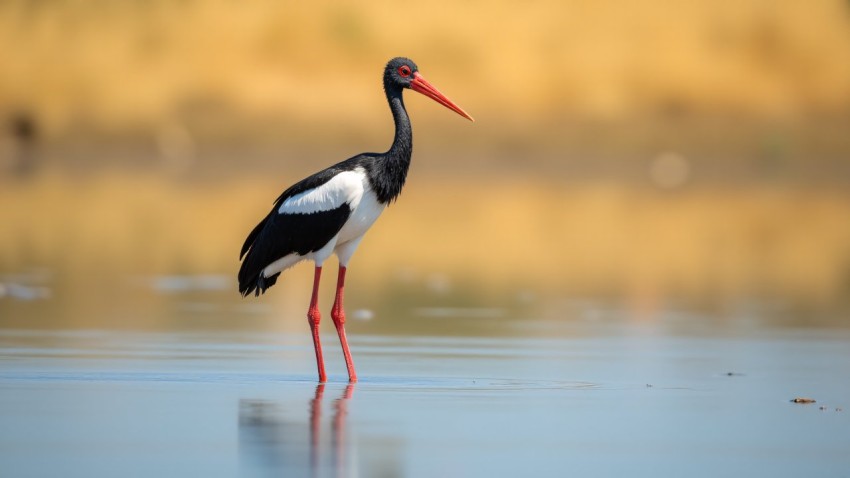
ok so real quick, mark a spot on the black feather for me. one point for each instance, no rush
(249, 241)
(306, 184)
(281, 234)
(284, 234)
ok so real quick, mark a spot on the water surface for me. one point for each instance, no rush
(580, 399)
(545, 327)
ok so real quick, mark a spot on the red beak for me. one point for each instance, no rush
(420, 85)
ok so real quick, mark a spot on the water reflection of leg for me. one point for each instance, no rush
(338, 443)
(315, 426)
(276, 439)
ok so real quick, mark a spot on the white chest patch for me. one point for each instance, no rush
(362, 217)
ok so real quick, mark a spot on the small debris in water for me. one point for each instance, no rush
(734, 374)
(822, 408)
(839, 409)
(803, 400)
(649, 385)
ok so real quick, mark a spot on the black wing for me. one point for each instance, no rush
(282, 234)
(278, 235)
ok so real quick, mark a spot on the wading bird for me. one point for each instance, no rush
(329, 212)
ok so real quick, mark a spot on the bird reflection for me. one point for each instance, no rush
(272, 440)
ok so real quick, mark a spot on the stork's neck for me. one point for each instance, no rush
(402, 146)
(390, 169)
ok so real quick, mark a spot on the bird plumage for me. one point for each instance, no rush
(310, 214)
(302, 220)
(329, 212)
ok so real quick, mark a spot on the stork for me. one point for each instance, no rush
(329, 212)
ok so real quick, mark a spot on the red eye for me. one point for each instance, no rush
(404, 71)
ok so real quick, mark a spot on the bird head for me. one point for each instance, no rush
(403, 73)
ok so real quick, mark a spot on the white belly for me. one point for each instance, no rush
(361, 218)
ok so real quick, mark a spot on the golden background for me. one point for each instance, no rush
(657, 155)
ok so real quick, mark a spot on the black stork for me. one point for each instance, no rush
(329, 212)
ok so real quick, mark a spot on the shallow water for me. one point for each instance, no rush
(580, 399)
(665, 335)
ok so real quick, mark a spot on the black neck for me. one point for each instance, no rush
(402, 146)
(391, 167)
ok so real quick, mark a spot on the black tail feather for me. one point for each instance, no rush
(251, 278)
(249, 241)
(257, 284)
(264, 283)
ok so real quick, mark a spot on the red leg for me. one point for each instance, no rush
(313, 317)
(338, 316)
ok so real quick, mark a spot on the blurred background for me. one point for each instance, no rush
(654, 159)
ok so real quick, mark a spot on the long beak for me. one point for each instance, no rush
(421, 85)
